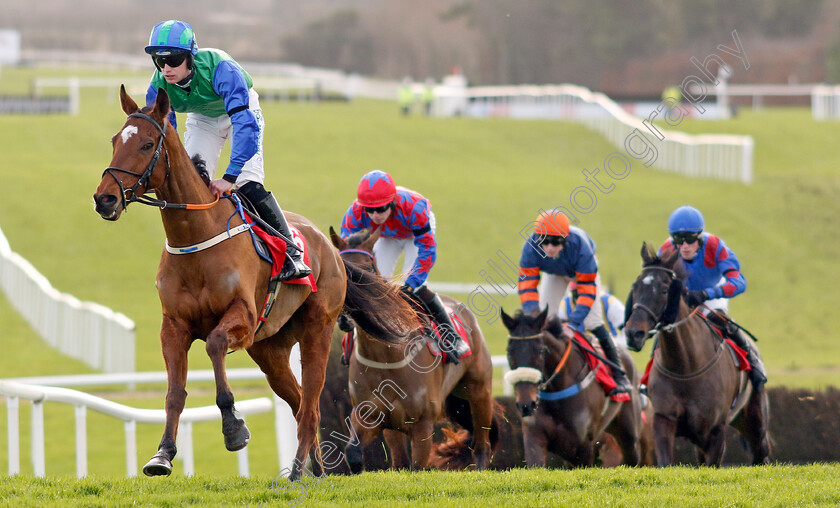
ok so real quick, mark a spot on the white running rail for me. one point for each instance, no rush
(32, 389)
(728, 157)
(86, 331)
(131, 416)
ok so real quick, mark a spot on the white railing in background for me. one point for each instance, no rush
(33, 389)
(825, 102)
(720, 156)
(86, 331)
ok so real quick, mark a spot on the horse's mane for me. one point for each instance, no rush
(201, 167)
(669, 259)
(554, 326)
(393, 326)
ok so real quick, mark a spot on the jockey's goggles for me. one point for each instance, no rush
(377, 209)
(681, 238)
(553, 240)
(173, 60)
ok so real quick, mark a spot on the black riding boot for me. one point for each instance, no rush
(758, 375)
(269, 211)
(611, 352)
(451, 343)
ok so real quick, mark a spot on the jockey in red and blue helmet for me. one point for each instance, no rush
(407, 223)
(410, 218)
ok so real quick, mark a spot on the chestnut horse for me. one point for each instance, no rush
(695, 387)
(563, 410)
(399, 388)
(215, 294)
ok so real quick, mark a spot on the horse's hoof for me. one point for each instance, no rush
(158, 466)
(238, 440)
(295, 474)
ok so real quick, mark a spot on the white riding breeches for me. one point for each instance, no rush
(206, 136)
(553, 287)
(387, 252)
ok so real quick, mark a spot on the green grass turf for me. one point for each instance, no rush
(770, 486)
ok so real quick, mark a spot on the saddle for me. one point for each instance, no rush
(272, 249)
(433, 336)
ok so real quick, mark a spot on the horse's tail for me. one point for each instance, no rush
(455, 452)
(376, 305)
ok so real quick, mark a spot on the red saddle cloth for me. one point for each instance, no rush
(603, 374)
(738, 354)
(277, 248)
(460, 329)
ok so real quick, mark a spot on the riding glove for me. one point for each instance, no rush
(695, 298)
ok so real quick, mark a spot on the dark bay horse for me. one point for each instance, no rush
(563, 410)
(400, 389)
(695, 386)
(216, 294)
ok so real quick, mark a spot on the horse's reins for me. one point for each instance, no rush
(144, 177)
(670, 327)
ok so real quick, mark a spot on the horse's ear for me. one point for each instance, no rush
(669, 258)
(370, 240)
(374, 236)
(127, 103)
(647, 253)
(508, 321)
(541, 318)
(162, 105)
(337, 241)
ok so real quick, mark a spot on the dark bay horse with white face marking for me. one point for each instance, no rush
(216, 294)
(695, 386)
(398, 388)
(563, 409)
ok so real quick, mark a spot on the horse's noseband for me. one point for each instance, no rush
(144, 177)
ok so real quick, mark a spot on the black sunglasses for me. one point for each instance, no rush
(377, 209)
(173, 60)
(681, 238)
(553, 240)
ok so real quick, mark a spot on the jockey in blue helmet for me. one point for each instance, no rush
(714, 275)
(218, 97)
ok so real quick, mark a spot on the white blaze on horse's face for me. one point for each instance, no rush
(129, 131)
(647, 280)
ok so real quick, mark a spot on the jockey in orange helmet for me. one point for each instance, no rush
(408, 227)
(566, 253)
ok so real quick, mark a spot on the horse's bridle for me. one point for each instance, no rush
(360, 251)
(144, 177)
(560, 364)
(657, 319)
